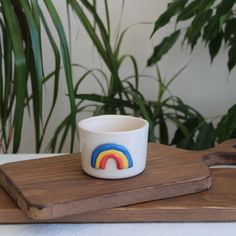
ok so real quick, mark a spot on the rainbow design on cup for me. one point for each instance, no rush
(104, 152)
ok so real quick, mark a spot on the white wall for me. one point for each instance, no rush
(208, 88)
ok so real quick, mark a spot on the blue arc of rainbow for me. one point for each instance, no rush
(104, 152)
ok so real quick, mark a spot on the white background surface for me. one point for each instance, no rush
(150, 229)
(131, 229)
(208, 88)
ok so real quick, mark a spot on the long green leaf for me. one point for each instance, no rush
(215, 45)
(174, 8)
(20, 74)
(231, 55)
(105, 100)
(2, 127)
(163, 47)
(135, 66)
(36, 68)
(36, 46)
(84, 76)
(56, 72)
(67, 65)
(5, 88)
(107, 19)
(90, 29)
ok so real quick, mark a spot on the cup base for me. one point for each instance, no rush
(112, 177)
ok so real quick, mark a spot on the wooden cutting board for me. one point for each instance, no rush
(217, 204)
(56, 187)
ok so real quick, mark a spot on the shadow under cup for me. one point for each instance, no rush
(113, 146)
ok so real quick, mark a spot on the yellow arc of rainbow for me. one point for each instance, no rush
(120, 154)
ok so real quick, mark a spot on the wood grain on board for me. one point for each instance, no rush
(56, 187)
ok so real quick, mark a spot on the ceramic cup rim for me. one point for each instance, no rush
(82, 124)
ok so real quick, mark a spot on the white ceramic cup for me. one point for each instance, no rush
(113, 146)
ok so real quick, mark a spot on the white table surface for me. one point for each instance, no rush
(128, 229)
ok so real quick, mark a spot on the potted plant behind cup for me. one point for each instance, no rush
(122, 95)
(23, 78)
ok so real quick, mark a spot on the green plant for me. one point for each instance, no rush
(123, 96)
(22, 76)
(190, 125)
(226, 128)
(214, 23)
(211, 21)
(114, 92)
(23, 79)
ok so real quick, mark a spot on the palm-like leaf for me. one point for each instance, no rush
(22, 79)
